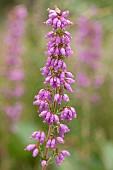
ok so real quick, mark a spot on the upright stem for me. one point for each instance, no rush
(47, 149)
(54, 105)
(49, 133)
(43, 167)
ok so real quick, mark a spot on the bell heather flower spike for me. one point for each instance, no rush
(58, 80)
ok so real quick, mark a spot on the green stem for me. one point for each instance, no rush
(49, 133)
(43, 167)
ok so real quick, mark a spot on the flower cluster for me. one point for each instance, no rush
(89, 38)
(13, 71)
(58, 80)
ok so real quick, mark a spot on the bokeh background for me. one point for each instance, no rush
(90, 141)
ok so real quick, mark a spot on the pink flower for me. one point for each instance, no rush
(49, 99)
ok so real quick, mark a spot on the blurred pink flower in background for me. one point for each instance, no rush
(83, 80)
(89, 40)
(13, 64)
(11, 110)
(95, 98)
(16, 75)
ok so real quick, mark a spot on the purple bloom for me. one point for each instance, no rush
(48, 144)
(60, 140)
(62, 50)
(30, 147)
(65, 14)
(35, 152)
(68, 87)
(43, 114)
(53, 144)
(69, 75)
(66, 98)
(42, 96)
(65, 153)
(43, 163)
(39, 136)
(33, 135)
(70, 80)
(56, 119)
(58, 160)
(63, 129)
(42, 137)
(47, 117)
(62, 77)
(43, 104)
(68, 113)
(60, 157)
(50, 118)
(58, 98)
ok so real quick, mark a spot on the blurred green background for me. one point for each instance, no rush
(92, 153)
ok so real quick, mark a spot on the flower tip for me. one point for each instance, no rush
(55, 7)
(48, 9)
(70, 23)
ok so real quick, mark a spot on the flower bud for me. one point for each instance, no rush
(43, 163)
(35, 152)
(30, 147)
